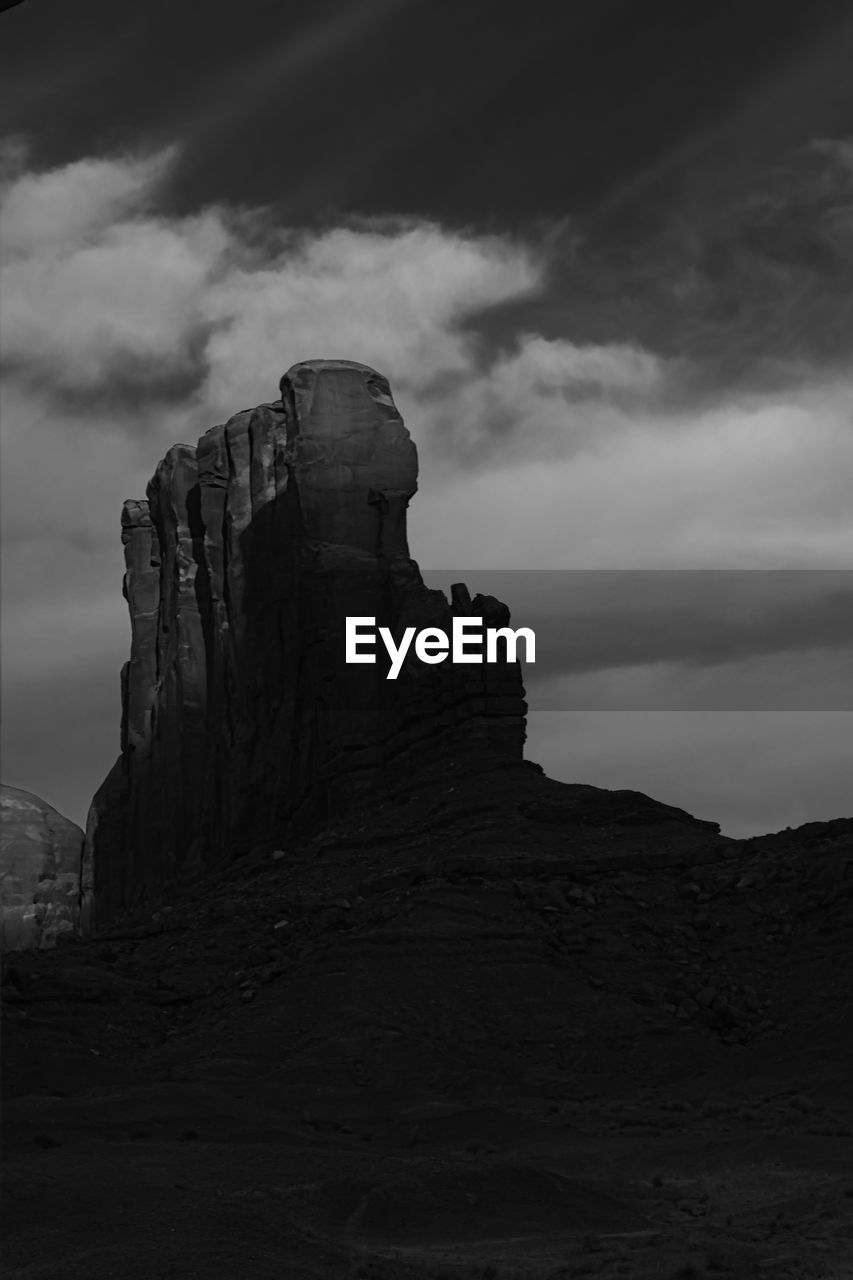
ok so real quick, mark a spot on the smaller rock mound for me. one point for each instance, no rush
(40, 853)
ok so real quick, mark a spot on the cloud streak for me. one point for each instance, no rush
(594, 621)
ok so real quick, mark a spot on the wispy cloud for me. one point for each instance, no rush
(743, 266)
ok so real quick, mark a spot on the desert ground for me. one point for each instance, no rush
(491, 1026)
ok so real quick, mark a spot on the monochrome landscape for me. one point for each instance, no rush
(362, 915)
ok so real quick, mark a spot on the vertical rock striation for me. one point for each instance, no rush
(241, 721)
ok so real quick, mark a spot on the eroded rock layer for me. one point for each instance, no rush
(39, 871)
(241, 720)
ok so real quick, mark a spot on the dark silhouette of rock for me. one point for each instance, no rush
(39, 871)
(489, 1024)
(241, 721)
(474, 1022)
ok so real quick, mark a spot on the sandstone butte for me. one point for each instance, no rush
(240, 720)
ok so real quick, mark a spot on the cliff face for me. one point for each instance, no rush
(241, 720)
(39, 871)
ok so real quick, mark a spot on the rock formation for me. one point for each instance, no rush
(39, 871)
(241, 721)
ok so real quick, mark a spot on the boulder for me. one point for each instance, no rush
(40, 853)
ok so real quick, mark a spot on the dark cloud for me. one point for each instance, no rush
(713, 622)
(745, 287)
(464, 113)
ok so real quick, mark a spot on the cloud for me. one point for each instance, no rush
(815, 679)
(68, 207)
(743, 265)
(93, 282)
(125, 330)
(544, 397)
(709, 641)
(756, 481)
(745, 638)
(64, 477)
(393, 297)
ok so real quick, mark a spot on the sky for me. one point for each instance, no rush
(603, 252)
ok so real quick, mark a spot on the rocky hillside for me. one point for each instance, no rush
(489, 1026)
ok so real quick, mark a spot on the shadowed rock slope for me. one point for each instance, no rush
(241, 720)
(490, 1025)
